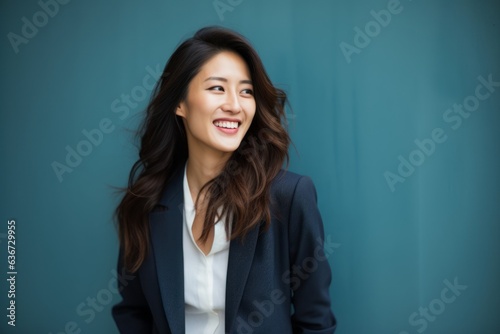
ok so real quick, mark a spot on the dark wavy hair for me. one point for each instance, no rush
(242, 188)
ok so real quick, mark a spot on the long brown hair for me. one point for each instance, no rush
(242, 188)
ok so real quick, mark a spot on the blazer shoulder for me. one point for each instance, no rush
(288, 185)
(287, 182)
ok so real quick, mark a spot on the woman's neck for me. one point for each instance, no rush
(200, 170)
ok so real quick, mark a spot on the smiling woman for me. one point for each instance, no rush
(218, 237)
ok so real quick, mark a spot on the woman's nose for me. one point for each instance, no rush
(232, 104)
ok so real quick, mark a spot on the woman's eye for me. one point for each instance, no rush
(247, 91)
(217, 88)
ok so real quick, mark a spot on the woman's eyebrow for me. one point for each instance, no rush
(225, 80)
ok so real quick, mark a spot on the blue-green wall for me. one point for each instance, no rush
(358, 105)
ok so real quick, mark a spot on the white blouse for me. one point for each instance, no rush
(204, 275)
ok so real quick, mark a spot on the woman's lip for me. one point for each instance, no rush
(228, 120)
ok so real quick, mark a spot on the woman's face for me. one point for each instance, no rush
(219, 106)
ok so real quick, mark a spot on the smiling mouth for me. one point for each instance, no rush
(227, 125)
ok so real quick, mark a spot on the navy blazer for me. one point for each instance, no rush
(277, 280)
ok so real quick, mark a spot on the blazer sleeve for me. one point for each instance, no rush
(132, 314)
(310, 273)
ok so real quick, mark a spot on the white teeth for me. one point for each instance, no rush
(227, 125)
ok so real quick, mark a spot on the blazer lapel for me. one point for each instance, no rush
(166, 234)
(239, 263)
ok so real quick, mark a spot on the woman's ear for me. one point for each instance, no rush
(180, 110)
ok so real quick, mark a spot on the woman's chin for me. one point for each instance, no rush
(229, 147)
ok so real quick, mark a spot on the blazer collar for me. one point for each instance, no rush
(166, 237)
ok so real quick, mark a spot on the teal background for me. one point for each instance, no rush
(350, 122)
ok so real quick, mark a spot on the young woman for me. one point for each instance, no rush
(214, 236)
